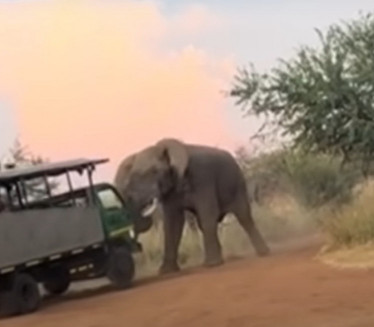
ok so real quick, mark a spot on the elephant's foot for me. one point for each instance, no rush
(213, 262)
(168, 268)
(262, 250)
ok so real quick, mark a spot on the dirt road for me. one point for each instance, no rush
(288, 289)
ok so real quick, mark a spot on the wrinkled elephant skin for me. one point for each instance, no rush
(182, 177)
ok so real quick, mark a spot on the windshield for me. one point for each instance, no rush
(109, 199)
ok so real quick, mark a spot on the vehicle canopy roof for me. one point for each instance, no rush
(47, 169)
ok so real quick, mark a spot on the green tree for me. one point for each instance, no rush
(323, 97)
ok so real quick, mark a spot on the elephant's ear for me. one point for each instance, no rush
(175, 153)
(122, 176)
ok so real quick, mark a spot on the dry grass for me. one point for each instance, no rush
(284, 217)
(352, 257)
(351, 224)
(350, 231)
(280, 220)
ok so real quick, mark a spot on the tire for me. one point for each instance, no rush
(8, 304)
(22, 297)
(58, 281)
(120, 267)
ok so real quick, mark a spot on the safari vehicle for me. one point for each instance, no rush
(53, 240)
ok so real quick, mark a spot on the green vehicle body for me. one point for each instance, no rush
(117, 219)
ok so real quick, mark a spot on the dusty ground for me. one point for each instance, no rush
(289, 288)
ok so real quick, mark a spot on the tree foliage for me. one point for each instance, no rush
(323, 97)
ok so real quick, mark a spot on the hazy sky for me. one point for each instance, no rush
(104, 78)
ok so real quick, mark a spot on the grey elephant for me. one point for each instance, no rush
(205, 181)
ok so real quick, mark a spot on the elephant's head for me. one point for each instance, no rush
(149, 176)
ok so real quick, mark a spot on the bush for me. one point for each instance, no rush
(320, 179)
(313, 179)
(353, 223)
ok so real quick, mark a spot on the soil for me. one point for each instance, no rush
(290, 288)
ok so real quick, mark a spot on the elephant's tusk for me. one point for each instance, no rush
(150, 209)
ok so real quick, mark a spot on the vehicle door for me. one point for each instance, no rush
(116, 218)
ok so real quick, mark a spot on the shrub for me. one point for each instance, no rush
(320, 179)
(353, 223)
(313, 179)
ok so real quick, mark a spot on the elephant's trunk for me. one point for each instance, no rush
(142, 224)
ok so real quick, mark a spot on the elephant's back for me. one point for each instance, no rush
(210, 155)
(212, 160)
(212, 166)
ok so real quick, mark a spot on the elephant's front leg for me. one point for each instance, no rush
(208, 215)
(173, 228)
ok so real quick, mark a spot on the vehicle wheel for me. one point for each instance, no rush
(8, 304)
(58, 281)
(22, 297)
(121, 267)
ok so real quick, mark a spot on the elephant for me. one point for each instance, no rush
(181, 177)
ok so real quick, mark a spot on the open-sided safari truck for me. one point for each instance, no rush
(56, 239)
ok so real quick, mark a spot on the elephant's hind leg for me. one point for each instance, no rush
(242, 211)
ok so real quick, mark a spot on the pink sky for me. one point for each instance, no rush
(107, 77)
(92, 79)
